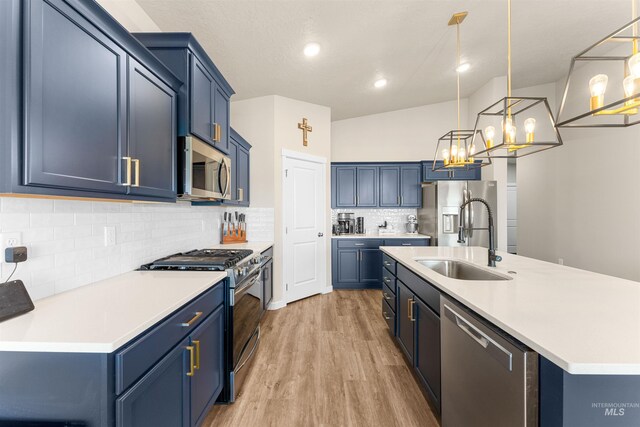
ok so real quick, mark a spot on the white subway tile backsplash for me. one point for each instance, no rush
(65, 238)
(397, 218)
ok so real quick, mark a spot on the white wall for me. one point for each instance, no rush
(65, 239)
(271, 124)
(403, 135)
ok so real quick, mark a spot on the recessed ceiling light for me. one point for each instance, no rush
(311, 49)
(463, 67)
(380, 83)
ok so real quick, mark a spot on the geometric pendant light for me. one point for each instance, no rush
(604, 82)
(456, 150)
(516, 126)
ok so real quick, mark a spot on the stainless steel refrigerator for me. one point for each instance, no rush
(439, 215)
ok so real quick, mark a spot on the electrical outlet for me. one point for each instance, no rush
(10, 240)
(110, 236)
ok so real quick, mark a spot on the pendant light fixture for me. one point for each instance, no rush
(603, 90)
(456, 149)
(516, 126)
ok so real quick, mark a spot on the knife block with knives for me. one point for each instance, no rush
(234, 228)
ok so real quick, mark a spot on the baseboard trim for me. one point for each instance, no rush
(276, 305)
(327, 290)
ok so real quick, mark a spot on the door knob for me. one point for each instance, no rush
(320, 234)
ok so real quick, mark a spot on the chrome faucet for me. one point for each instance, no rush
(492, 233)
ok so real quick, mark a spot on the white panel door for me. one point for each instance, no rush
(304, 249)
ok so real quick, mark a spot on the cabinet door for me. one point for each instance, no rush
(369, 267)
(161, 397)
(389, 186)
(367, 187)
(202, 90)
(75, 102)
(427, 348)
(410, 191)
(405, 300)
(348, 265)
(267, 278)
(208, 379)
(221, 118)
(233, 186)
(430, 175)
(152, 134)
(242, 174)
(345, 186)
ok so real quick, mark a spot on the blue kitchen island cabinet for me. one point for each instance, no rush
(90, 94)
(168, 376)
(204, 99)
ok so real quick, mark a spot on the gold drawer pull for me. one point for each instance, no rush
(137, 172)
(191, 364)
(197, 343)
(411, 303)
(192, 321)
(127, 172)
(385, 315)
(386, 296)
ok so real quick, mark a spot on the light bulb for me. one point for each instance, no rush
(597, 87)
(461, 154)
(509, 130)
(634, 65)
(529, 128)
(445, 156)
(454, 151)
(472, 150)
(489, 133)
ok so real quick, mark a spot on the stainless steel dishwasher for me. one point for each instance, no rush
(488, 378)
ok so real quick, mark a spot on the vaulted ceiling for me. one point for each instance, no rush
(257, 44)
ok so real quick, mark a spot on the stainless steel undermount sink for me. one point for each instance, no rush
(460, 270)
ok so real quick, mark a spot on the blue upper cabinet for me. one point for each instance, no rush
(204, 101)
(367, 185)
(389, 186)
(343, 186)
(152, 146)
(98, 110)
(240, 164)
(76, 106)
(448, 175)
(410, 190)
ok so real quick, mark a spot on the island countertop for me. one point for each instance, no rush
(584, 322)
(103, 316)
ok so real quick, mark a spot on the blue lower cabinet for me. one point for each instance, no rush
(355, 263)
(405, 319)
(161, 397)
(208, 374)
(369, 266)
(427, 349)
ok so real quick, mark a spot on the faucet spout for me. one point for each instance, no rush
(492, 257)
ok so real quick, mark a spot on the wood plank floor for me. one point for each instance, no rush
(327, 360)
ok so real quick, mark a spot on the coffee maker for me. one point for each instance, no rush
(346, 223)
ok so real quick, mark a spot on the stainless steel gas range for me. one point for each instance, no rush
(244, 303)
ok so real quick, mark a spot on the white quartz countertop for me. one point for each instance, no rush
(256, 247)
(382, 236)
(101, 317)
(586, 323)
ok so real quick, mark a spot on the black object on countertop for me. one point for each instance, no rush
(15, 254)
(14, 300)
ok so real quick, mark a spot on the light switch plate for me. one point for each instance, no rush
(110, 236)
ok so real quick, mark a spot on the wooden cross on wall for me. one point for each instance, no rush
(305, 128)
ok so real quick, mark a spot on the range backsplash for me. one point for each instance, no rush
(397, 218)
(66, 243)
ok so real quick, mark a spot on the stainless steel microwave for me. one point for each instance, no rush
(206, 173)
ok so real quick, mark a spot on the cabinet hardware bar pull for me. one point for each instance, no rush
(386, 296)
(385, 315)
(411, 302)
(191, 365)
(358, 200)
(127, 173)
(197, 343)
(358, 244)
(402, 200)
(387, 263)
(192, 321)
(137, 173)
(398, 201)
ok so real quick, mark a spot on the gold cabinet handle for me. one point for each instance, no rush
(127, 172)
(219, 133)
(216, 132)
(197, 343)
(240, 194)
(411, 303)
(137, 173)
(192, 321)
(386, 316)
(191, 364)
(386, 296)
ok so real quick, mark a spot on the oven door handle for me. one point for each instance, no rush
(244, 288)
(253, 350)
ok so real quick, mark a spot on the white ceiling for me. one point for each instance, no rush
(257, 44)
